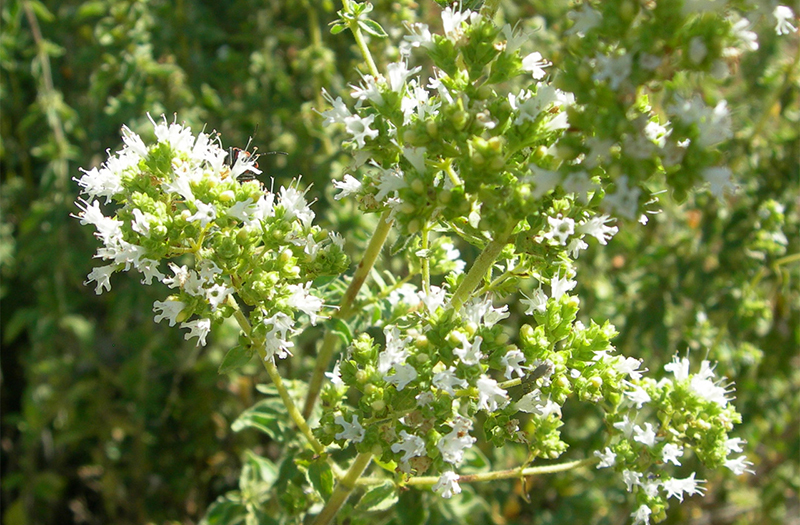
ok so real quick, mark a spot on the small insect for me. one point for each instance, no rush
(528, 383)
(235, 153)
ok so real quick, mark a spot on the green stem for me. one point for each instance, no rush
(479, 269)
(272, 370)
(426, 261)
(422, 481)
(328, 348)
(362, 46)
(343, 489)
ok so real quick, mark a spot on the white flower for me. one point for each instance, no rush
(359, 128)
(719, 180)
(205, 213)
(425, 398)
(676, 488)
(265, 207)
(526, 105)
(169, 310)
(537, 303)
(335, 375)
(490, 396)
(628, 365)
(102, 276)
(637, 395)
(783, 15)
(453, 444)
(433, 299)
(217, 294)
(607, 458)
(134, 142)
(447, 379)
(702, 385)
(646, 435)
(338, 113)
(452, 20)
(411, 445)
(512, 361)
(276, 342)
(469, 353)
(560, 229)
(697, 50)
(625, 426)
(352, 431)
(107, 228)
(641, 515)
(625, 200)
(198, 328)
(391, 180)
(244, 162)
(403, 375)
(368, 90)
(671, 452)
(149, 268)
(585, 20)
(739, 465)
(420, 35)
(242, 210)
(631, 479)
(679, 367)
(294, 202)
(535, 64)
(615, 69)
(596, 227)
(561, 285)
(395, 351)
(398, 73)
(481, 311)
(100, 183)
(301, 299)
(447, 484)
(734, 444)
(747, 40)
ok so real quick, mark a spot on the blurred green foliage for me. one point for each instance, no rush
(110, 418)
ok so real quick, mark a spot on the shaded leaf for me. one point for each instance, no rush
(381, 497)
(237, 357)
(321, 477)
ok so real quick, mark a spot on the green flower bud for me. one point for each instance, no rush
(459, 119)
(432, 128)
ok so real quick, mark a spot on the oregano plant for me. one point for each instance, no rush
(489, 168)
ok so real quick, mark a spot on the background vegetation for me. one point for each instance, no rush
(110, 418)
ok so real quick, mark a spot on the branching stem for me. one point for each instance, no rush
(272, 370)
(422, 481)
(328, 347)
(479, 269)
(343, 489)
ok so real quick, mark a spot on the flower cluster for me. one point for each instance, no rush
(181, 200)
(692, 413)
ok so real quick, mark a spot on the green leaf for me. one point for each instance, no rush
(340, 328)
(373, 28)
(237, 357)
(381, 497)
(388, 466)
(263, 471)
(224, 512)
(337, 28)
(320, 476)
(268, 416)
(411, 508)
